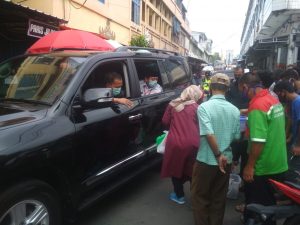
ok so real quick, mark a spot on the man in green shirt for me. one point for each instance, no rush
(267, 143)
(219, 123)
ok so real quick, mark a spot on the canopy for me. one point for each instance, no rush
(70, 39)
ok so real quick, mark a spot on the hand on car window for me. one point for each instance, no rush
(123, 101)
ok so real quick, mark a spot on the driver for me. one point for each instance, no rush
(114, 80)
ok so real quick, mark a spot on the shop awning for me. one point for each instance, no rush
(268, 43)
(195, 60)
(14, 20)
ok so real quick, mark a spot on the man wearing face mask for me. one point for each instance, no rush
(286, 94)
(149, 85)
(234, 96)
(292, 76)
(267, 143)
(241, 101)
(239, 148)
(115, 81)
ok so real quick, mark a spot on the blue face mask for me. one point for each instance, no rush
(116, 91)
(152, 83)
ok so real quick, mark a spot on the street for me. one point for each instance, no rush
(145, 201)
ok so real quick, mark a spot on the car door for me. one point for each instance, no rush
(107, 138)
(153, 105)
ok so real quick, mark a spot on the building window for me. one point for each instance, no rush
(143, 12)
(151, 15)
(102, 1)
(157, 22)
(135, 11)
(176, 26)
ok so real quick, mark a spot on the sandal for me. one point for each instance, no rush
(240, 208)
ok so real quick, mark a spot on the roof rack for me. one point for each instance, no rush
(152, 50)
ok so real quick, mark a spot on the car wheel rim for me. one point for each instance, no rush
(28, 212)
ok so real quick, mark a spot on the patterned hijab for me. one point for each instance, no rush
(190, 95)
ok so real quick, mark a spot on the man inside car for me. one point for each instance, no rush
(149, 85)
(114, 80)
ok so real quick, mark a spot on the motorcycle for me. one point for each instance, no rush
(290, 212)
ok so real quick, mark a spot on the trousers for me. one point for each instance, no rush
(178, 185)
(260, 191)
(209, 189)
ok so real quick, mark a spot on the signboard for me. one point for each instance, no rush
(39, 29)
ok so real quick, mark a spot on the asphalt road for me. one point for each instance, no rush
(145, 201)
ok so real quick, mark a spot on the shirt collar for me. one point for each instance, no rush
(262, 93)
(217, 97)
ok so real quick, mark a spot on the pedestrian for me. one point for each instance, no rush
(267, 156)
(182, 141)
(239, 148)
(238, 99)
(276, 77)
(206, 83)
(219, 123)
(292, 76)
(197, 78)
(286, 94)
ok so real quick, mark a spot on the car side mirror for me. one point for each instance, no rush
(98, 95)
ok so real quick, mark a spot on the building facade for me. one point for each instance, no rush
(229, 57)
(163, 22)
(21, 26)
(203, 44)
(271, 34)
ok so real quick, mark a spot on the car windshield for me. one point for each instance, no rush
(37, 78)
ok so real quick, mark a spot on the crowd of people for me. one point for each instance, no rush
(205, 140)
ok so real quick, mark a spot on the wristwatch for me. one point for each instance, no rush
(218, 155)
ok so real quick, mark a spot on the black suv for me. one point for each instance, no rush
(63, 142)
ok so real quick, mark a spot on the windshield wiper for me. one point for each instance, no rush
(25, 101)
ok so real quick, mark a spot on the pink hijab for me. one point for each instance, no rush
(190, 95)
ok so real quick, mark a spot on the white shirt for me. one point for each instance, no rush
(145, 90)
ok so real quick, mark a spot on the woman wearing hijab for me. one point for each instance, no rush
(182, 143)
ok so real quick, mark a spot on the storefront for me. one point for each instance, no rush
(297, 45)
(196, 64)
(21, 26)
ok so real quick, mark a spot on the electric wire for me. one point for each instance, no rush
(70, 1)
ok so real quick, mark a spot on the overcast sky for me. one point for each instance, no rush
(221, 20)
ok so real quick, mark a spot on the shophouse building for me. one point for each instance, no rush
(21, 26)
(204, 44)
(271, 34)
(163, 22)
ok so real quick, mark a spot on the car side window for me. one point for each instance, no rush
(149, 71)
(164, 76)
(177, 73)
(98, 77)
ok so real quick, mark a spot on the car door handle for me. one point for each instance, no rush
(135, 117)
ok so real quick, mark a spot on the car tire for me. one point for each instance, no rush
(29, 200)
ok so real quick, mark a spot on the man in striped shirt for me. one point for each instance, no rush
(219, 123)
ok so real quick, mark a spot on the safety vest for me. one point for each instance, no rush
(205, 84)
